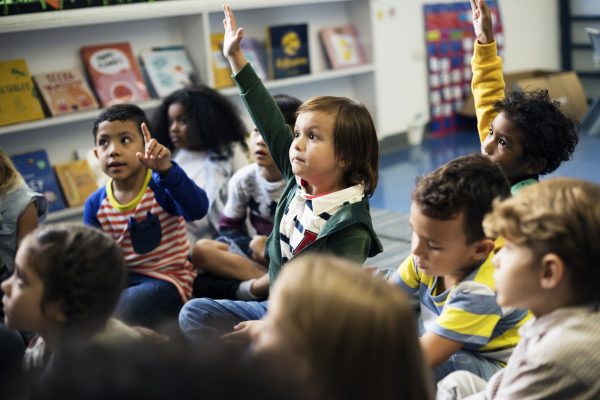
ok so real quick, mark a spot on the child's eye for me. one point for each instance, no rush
(312, 136)
(296, 134)
(126, 140)
(490, 132)
(502, 142)
(433, 247)
(102, 142)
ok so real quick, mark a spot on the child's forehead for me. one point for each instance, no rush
(434, 228)
(117, 127)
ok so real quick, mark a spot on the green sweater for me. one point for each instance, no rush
(349, 232)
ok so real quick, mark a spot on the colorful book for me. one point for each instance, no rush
(220, 65)
(77, 181)
(287, 49)
(114, 73)
(342, 46)
(19, 101)
(167, 69)
(65, 91)
(256, 55)
(35, 169)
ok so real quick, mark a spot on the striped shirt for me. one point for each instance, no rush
(466, 312)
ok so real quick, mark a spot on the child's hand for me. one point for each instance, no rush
(482, 21)
(244, 332)
(258, 245)
(156, 156)
(231, 42)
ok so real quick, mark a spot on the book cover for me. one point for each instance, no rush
(114, 73)
(65, 91)
(19, 101)
(256, 55)
(342, 46)
(77, 181)
(220, 65)
(287, 48)
(35, 169)
(167, 68)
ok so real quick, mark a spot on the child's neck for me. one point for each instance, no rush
(270, 173)
(125, 190)
(324, 188)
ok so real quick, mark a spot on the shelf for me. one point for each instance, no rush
(585, 17)
(65, 214)
(304, 79)
(589, 74)
(66, 119)
(581, 46)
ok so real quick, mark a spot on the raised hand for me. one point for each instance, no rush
(482, 21)
(231, 42)
(156, 156)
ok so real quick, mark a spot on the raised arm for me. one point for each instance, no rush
(231, 43)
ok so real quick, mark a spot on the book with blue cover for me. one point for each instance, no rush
(288, 52)
(167, 69)
(37, 172)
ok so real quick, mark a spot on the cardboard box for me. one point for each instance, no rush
(564, 87)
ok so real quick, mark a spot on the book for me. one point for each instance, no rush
(65, 91)
(19, 101)
(35, 169)
(342, 46)
(114, 73)
(287, 49)
(167, 69)
(219, 64)
(77, 181)
(256, 55)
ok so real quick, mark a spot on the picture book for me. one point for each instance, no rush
(342, 46)
(166, 69)
(256, 55)
(35, 169)
(77, 181)
(287, 49)
(65, 91)
(220, 66)
(19, 101)
(114, 73)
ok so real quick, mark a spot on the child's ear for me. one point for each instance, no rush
(55, 311)
(482, 249)
(95, 152)
(535, 166)
(552, 271)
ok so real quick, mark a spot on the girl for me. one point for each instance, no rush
(66, 283)
(344, 331)
(330, 164)
(207, 137)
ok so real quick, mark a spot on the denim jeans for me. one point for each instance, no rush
(148, 301)
(464, 360)
(207, 319)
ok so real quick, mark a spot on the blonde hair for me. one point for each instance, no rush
(358, 333)
(560, 216)
(10, 178)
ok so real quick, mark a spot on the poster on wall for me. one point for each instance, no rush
(12, 7)
(449, 39)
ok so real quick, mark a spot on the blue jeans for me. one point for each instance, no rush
(148, 301)
(464, 360)
(207, 319)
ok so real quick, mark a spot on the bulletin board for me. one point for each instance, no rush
(449, 39)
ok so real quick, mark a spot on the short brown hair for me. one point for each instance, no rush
(467, 184)
(83, 271)
(358, 332)
(354, 138)
(561, 216)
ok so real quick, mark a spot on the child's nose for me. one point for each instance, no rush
(488, 147)
(6, 286)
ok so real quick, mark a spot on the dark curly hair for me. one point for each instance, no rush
(83, 271)
(213, 121)
(548, 133)
(467, 184)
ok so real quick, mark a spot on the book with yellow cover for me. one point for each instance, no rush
(220, 65)
(19, 101)
(77, 181)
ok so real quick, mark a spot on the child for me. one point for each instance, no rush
(451, 272)
(208, 139)
(525, 133)
(66, 283)
(350, 335)
(549, 264)
(255, 190)
(330, 166)
(144, 212)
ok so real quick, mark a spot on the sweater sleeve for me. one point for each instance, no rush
(487, 85)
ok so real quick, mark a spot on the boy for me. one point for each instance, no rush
(524, 133)
(548, 264)
(144, 212)
(450, 269)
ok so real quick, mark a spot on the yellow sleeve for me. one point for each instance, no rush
(487, 84)
(408, 275)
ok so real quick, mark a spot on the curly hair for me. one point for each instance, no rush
(467, 184)
(122, 112)
(548, 133)
(213, 121)
(82, 269)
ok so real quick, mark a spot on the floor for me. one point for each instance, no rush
(398, 169)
